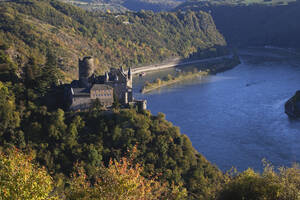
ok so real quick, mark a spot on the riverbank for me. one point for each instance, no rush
(176, 63)
(169, 80)
(211, 68)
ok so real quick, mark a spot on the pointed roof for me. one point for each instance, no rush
(129, 71)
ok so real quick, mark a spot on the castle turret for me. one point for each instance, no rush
(106, 77)
(129, 76)
(86, 70)
(129, 73)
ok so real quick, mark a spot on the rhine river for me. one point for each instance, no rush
(236, 118)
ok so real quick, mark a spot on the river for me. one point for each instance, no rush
(236, 118)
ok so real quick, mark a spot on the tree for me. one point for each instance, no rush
(21, 179)
(158, 81)
(9, 117)
(169, 77)
(7, 67)
(121, 180)
(116, 103)
(57, 126)
(280, 184)
(51, 74)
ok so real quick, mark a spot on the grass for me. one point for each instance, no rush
(169, 79)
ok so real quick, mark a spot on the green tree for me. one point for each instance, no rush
(70, 139)
(51, 71)
(9, 116)
(280, 184)
(116, 103)
(7, 68)
(57, 127)
(121, 180)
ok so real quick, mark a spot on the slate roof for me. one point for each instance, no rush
(81, 92)
(101, 87)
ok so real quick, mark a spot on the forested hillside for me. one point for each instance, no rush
(40, 43)
(254, 24)
(117, 154)
(34, 28)
(79, 148)
(49, 153)
(64, 142)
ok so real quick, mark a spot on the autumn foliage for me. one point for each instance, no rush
(22, 179)
(121, 180)
(272, 184)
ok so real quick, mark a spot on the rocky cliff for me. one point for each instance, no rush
(292, 106)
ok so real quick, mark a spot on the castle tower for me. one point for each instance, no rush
(86, 70)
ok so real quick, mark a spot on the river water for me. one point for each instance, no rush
(236, 118)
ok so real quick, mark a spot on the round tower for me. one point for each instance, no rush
(86, 70)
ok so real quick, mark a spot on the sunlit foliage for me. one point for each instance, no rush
(120, 180)
(280, 184)
(35, 28)
(21, 179)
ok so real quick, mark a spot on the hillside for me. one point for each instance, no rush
(60, 140)
(34, 28)
(47, 153)
(122, 5)
(254, 24)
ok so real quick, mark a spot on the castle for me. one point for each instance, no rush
(114, 85)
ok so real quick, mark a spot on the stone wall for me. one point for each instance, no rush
(106, 97)
(80, 103)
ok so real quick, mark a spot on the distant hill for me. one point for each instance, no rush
(103, 6)
(264, 23)
(161, 5)
(32, 28)
(123, 5)
(200, 3)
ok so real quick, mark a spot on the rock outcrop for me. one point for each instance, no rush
(292, 106)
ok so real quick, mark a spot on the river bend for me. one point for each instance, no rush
(236, 118)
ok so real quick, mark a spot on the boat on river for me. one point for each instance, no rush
(142, 74)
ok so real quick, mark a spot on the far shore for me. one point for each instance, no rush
(156, 85)
(223, 65)
(175, 63)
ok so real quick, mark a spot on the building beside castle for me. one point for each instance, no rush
(114, 85)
